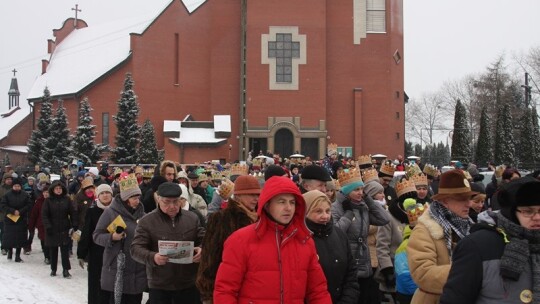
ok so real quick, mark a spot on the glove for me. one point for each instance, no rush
(119, 229)
(81, 263)
(347, 205)
(76, 236)
(389, 277)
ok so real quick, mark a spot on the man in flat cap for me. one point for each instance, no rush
(168, 282)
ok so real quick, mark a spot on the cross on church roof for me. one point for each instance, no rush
(77, 10)
(14, 72)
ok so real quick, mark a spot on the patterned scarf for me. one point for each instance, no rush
(523, 246)
(449, 221)
(252, 214)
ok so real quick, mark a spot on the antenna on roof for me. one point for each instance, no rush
(77, 10)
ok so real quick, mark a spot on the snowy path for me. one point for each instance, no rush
(29, 282)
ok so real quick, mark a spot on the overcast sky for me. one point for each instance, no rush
(444, 39)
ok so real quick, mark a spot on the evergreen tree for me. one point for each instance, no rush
(127, 129)
(484, 146)
(527, 149)
(504, 136)
(461, 139)
(408, 148)
(418, 150)
(148, 152)
(36, 143)
(84, 147)
(60, 140)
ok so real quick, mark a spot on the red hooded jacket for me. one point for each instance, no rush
(270, 263)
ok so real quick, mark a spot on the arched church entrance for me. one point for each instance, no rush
(284, 142)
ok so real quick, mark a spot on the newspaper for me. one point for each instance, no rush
(179, 252)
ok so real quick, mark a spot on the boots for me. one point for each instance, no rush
(66, 274)
(10, 254)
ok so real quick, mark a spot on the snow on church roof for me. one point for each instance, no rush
(199, 132)
(8, 122)
(88, 53)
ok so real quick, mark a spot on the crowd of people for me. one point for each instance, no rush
(292, 231)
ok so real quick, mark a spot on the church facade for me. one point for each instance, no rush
(231, 77)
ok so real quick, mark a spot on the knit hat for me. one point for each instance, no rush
(372, 188)
(349, 180)
(519, 192)
(313, 198)
(169, 189)
(453, 183)
(246, 184)
(315, 172)
(129, 187)
(273, 170)
(94, 171)
(16, 181)
(87, 183)
(103, 188)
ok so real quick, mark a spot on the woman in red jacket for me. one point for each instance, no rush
(36, 221)
(273, 260)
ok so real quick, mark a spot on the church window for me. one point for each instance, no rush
(284, 50)
(376, 16)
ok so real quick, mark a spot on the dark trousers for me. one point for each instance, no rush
(45, 249)
(2, 233)
(126, 298)
(185, 296)
(65, 257)
(369, 291)
(28, 246)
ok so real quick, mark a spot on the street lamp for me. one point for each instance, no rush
(230, 148)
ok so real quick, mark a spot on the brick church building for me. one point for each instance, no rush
(221, 78)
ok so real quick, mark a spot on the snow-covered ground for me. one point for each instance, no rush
(29, 282)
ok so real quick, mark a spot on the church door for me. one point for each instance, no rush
(284, 142)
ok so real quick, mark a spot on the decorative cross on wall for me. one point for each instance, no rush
(284, 50)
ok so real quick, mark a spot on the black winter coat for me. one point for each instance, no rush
(59, 216)
(92, 253)
(337, 262)
(15, 233)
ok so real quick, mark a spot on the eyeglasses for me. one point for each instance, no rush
(528, 212)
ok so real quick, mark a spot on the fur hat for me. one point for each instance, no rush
(315, 172)
(273, 170)
(103, 188)
(453, 183)
(246, 184)
(87, 183)
(129, 187)
(519, 192)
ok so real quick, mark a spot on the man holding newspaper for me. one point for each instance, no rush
(167, 241)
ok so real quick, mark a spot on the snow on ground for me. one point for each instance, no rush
(29, 282)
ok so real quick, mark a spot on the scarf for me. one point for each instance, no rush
(450, 222)
(101, 206)
(251, 214)
(523, 245)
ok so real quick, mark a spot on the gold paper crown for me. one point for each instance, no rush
(350, 176)
(405, 186)
(364, 160)
(414, 211)
(337, 184)
(258, 175)
(256, 162)
(118, 170)
(225, 189)
(370, 175)
(239, 169)
(412, 170)
(148, 173)
(203, 177)
(419, 179)
(332, 148)
(499, 171)
(128, 183)
(216, 175)
(467, 175)
(431, 170)
(388, 168)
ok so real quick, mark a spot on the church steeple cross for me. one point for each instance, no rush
(77, 10)
(14, 72)
(284, 50)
